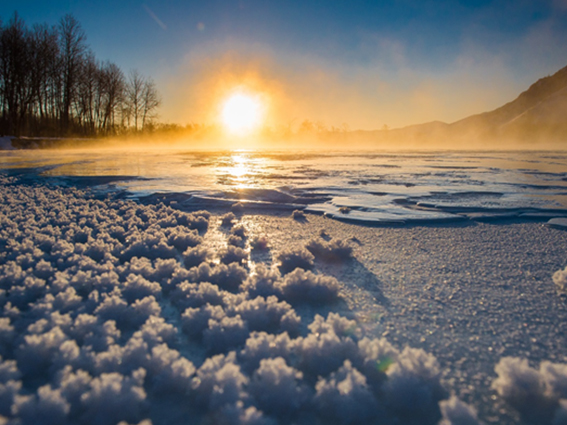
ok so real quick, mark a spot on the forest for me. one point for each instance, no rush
(52, 85)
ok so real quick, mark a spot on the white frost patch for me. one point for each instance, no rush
(456, 412)
(560, 280)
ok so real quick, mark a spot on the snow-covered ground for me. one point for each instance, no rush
(115, 310)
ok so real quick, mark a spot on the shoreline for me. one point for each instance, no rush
(198, 144)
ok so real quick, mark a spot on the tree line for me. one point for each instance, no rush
(51, 85)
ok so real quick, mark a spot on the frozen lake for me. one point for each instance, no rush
(160, 310)
(377, 187)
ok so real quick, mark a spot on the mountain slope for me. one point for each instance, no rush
(536, 118)
(538, 113)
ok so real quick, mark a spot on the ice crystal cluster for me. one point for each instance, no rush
(112, 310)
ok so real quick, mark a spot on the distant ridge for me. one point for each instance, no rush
(536, 118)
(540, 111)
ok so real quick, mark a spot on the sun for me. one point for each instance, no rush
(242, 113)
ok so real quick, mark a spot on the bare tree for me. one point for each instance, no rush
(87, 87)
(150, 102)
(134, 97)
(73, 47)
(113, 85)
(45, 67)
(15, 65)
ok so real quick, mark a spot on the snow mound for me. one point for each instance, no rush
(456, 412)
(560, 280)
(335, 250)
(293, 258)
(537, 394)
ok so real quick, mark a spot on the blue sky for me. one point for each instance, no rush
(363, 63)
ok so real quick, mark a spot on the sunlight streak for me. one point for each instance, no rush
(242, 171)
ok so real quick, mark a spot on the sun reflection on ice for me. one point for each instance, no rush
(242, 170)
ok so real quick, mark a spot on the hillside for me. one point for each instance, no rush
(536, 118)
(537, 114)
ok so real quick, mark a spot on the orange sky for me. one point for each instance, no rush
(296, 88)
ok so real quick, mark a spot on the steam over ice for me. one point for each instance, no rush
(115, 311)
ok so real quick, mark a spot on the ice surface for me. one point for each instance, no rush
(123, 310)
(559, 222)
(372, 188)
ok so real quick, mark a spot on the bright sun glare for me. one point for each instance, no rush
(242, 113)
